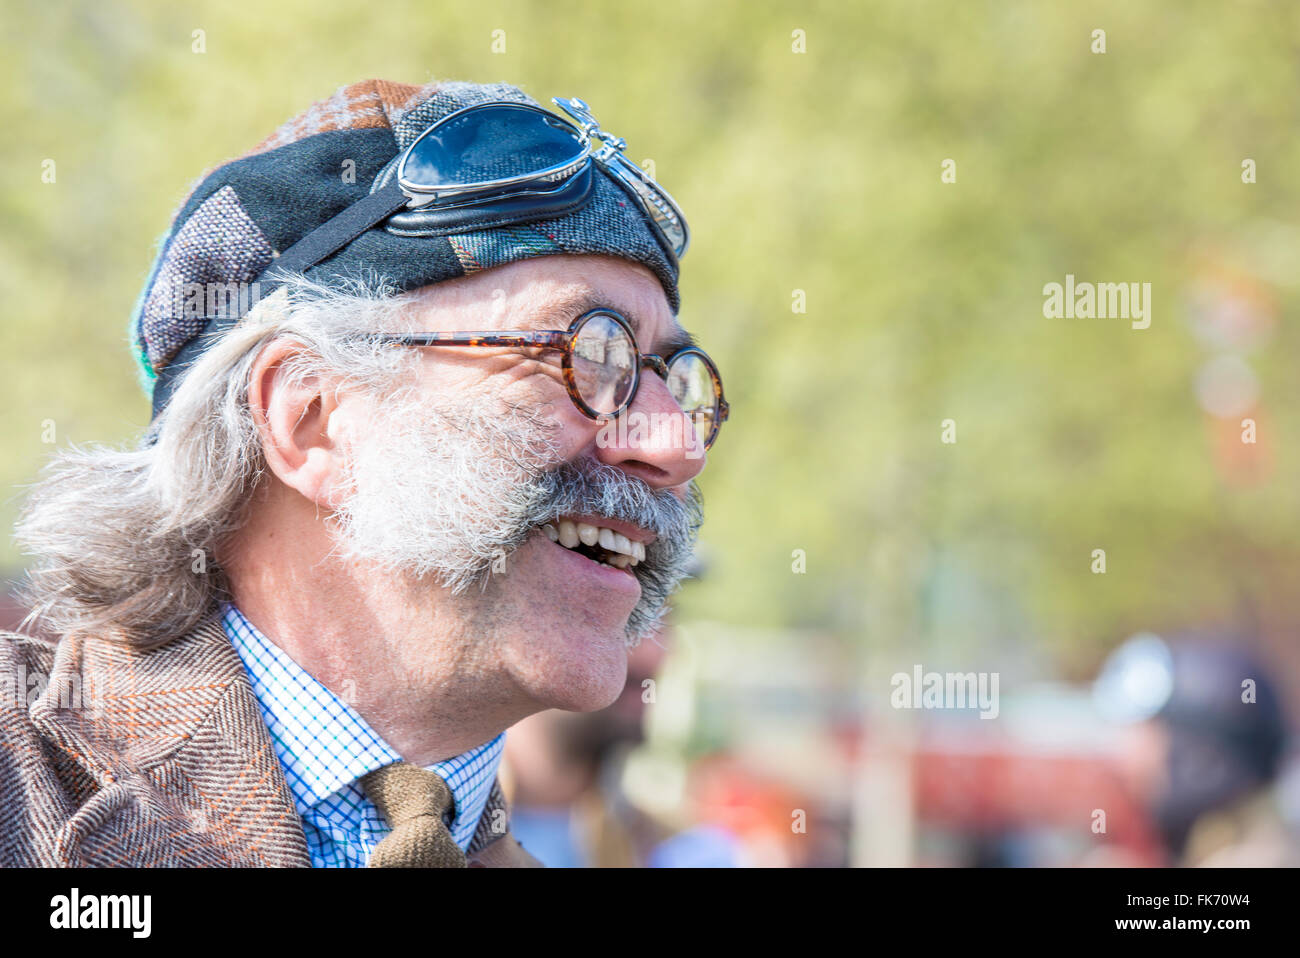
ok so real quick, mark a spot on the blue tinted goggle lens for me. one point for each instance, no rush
(481, 146)
(507, 151)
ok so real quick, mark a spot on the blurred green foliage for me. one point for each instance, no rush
(816, 171)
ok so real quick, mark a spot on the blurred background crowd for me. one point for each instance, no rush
(920, 468)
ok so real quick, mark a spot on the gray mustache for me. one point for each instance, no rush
(600, 489)
(605, 490)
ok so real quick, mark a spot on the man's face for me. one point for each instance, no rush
(459, 474)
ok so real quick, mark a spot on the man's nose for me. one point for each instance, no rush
(653, 439)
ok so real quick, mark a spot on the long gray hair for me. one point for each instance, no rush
(124, 541)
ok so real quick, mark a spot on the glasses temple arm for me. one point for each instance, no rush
(555, 339)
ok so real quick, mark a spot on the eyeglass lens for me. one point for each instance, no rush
(604, 364)
(691, 383)
(604, 371)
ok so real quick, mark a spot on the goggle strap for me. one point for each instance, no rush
(334, 234)
(321, 243)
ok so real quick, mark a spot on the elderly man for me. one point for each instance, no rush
(421, 464)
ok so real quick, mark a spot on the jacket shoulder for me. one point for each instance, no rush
(25, 664)
(39, 786)
(26, 646)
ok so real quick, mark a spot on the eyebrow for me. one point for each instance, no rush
(577, 301)
(676, 340)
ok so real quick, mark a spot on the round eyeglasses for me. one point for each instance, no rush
(602, 367)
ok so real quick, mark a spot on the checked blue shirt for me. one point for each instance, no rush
(324, 747)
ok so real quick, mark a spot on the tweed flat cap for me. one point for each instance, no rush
(242, 214)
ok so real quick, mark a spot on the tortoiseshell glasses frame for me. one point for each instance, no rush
(564, 340)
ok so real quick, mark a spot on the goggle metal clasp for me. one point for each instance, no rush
(579, 110)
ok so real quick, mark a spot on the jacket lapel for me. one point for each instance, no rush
(492, 845)
(185, 768)
(174, 739)
(505, 852)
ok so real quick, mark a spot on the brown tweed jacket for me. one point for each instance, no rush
(111, 756)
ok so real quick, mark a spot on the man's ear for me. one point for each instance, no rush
(298, 423)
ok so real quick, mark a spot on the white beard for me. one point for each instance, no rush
(441, 493)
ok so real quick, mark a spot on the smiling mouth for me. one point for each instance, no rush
(597, 543)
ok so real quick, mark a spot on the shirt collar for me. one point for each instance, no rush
(324, 745)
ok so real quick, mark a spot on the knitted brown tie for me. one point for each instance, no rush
(412, 801)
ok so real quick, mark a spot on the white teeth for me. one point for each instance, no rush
(623, 552)
(568, 534)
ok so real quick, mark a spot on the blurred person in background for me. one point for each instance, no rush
(1204, 747)
(563, 773)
